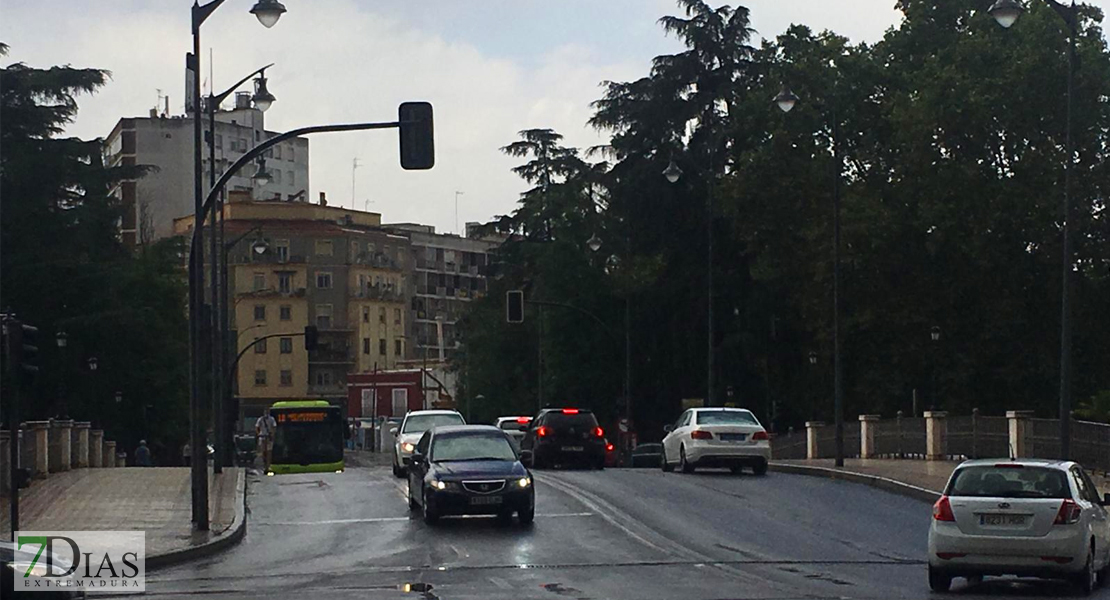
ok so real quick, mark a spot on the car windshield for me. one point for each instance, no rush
(471, 446)
(726, 417)
(1009, 482)
(422, 423)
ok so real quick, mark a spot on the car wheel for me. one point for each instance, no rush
(431, 516)
(1087, 579)
(760, 468)
(527, 516)
(663, 464)
(939, 581)
(682, 462)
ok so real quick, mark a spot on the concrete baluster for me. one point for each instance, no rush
(936, 435)
(812, 427)
(867, 424)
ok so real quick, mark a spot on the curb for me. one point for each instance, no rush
(883, 483)
(232, 536)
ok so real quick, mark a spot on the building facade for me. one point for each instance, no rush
(153, 202)
(447, 273)
(326, 266)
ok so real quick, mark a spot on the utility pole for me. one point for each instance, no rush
(354, 167)
(457, 194)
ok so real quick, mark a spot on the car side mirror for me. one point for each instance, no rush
(668, 428)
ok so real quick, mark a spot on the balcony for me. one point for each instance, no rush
(378, 292)
(330, 357)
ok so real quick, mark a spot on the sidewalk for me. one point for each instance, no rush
(918, 478)
(157, 500)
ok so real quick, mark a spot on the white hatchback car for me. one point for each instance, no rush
(1026, 517)
(514, 427)
(716, 437)
(414, 426)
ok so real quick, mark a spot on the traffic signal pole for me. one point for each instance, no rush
(20, 354)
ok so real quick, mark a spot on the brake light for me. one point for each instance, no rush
(541, 431)
(609, 447)
(701, 435)
(1069, 513)
(1009, 466)
(570, 411)
(942, 510)
(599, 432)
(760, 436)
(524, 420)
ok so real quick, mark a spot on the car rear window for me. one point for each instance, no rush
(422, 423)
(726, 417)
(1010, 482)
(558, 420)
(514, 426)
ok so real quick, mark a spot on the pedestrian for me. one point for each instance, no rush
(264, 429)
(142, 455)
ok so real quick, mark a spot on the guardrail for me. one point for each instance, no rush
(53, 446)
(937, 436)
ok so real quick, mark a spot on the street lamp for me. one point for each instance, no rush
(62, 339)
(262, 97)
(93, 363)
(1006, 12)
(812, 358)
(786, 100)
(260, 247)
(610, 265)
(672, 172)
(594, 243)
(262, 177)
(268, 12)
(934, 333)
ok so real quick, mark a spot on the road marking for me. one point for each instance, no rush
(401, 519)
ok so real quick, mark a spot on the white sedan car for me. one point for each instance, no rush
(716, 437)
(410, 430)
(514, 427)
(1026, 517)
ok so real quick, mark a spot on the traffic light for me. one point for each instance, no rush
(311, 337)
(514, 306)
(417, 139)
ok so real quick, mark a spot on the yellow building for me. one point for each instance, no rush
(293, 264)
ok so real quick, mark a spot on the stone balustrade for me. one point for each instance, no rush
(55, 446)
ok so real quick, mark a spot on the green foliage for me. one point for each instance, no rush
(951, 132)
(64, 268)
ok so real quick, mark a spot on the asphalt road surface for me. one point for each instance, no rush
(620, 534)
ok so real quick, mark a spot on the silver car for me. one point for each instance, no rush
(1025, 517)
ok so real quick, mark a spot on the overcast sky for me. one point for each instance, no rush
(490, 67)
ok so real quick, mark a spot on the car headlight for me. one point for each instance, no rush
(407, 447)
(437, 484)
(524, 482)
(38, 570)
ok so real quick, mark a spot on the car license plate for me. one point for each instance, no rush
(733, 437)
(1002, 520)
(486, 500)
(573, 449)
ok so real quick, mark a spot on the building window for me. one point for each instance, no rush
(286, 312)
(292, 152)
(285, 282)
(400, 401)
(286, 377)
(381, 347)
(397, 348)
(323, 248)
(259, 312)
(365, 314)
(257, 136)
(260, 346)
(277, 176)
(260, 378)
(259, 282)
(277, 151)
(323, 378)
(286, 344)
(381, 315)
(366, 345)
(323, 316)
(242, 144)
(290, 177)
(396, 316)
(282, 250)
(354, 250)
(323, 280)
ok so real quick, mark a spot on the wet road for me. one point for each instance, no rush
(635, 534)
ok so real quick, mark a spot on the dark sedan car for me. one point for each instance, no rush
(469, 469)
(647, 455)
(564, 436)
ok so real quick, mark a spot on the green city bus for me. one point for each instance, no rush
(309, 437)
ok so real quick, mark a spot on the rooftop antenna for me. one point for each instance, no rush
(457, 194)
(354, 166)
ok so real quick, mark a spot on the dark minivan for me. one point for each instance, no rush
(564, 436)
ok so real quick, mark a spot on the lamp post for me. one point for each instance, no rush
(673, 173)
(934, 335)
(268, 12)
(594, 245)
(1006, 13)
(62, 340)
(786, 100)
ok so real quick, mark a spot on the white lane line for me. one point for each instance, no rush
(401, 519)
(600, 510)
